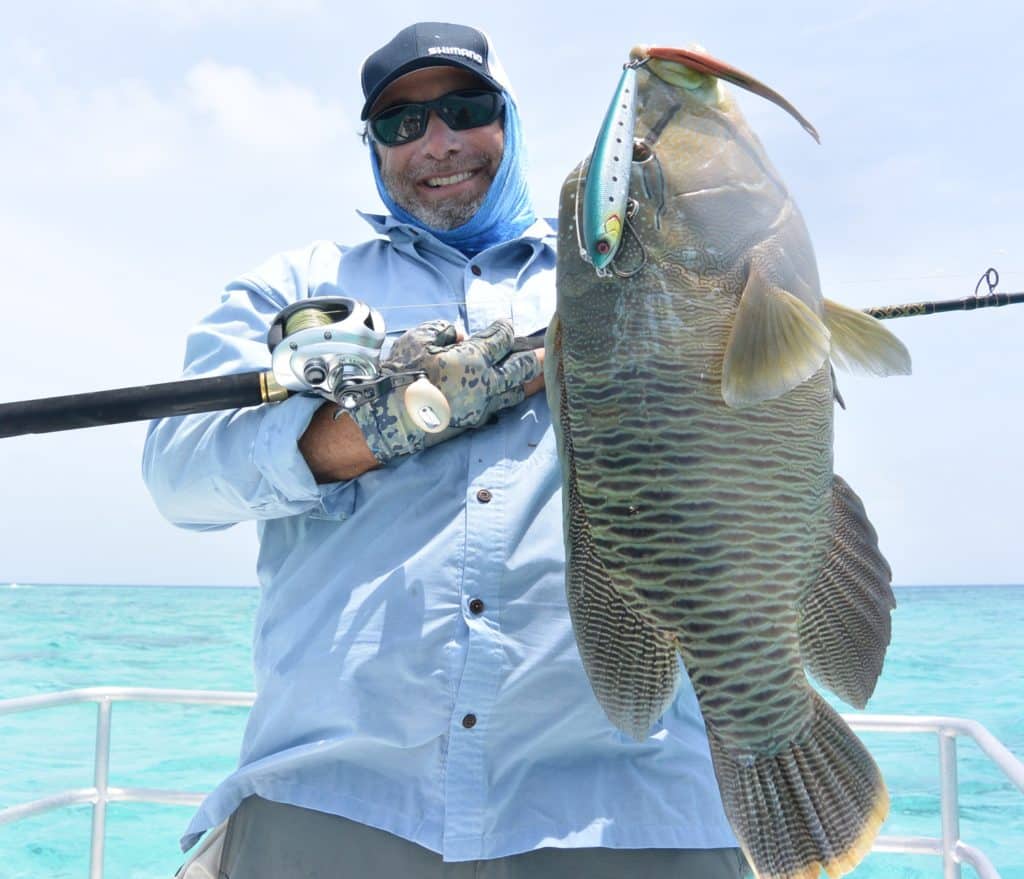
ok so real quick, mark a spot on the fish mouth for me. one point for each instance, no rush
(678, 66)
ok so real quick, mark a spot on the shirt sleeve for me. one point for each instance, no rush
(210, 470)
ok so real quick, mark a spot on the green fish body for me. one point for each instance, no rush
(693, 399)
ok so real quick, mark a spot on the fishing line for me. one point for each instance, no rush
(990, 277)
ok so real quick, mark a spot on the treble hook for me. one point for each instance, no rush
(628, 225)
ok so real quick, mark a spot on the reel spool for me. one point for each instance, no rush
(322, 344)
(330, 345)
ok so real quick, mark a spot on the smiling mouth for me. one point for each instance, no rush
(435, 182)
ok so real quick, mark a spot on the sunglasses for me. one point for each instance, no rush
(466, 108)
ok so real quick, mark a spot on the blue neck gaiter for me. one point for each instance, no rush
(506, 212)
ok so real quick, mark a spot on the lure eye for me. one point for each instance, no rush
(603, 246)
(641, 152)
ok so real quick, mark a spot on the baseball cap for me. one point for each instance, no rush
(430, 44)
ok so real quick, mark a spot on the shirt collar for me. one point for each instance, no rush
(384, 224)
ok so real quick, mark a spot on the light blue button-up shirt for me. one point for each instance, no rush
(386, 692)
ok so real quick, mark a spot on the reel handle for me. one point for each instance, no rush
(427, 406)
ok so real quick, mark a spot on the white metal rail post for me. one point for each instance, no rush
(949, 847)
(101, 793)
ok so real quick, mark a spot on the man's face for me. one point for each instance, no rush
(443, 177)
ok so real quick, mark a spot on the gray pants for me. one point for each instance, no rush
(267, 840)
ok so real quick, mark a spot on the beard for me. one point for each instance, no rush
(446, 215)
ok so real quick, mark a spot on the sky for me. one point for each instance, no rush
(152, 150)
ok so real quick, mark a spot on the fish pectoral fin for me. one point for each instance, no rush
(860, 343)
(776, 343)
(845, 616)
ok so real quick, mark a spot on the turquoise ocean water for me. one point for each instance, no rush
(955, 650)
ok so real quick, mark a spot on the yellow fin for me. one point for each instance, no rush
(860, 343)
(776, 343)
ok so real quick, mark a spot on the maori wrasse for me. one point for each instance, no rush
(692, 390)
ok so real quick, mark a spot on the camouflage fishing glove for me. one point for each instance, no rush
(478, 376)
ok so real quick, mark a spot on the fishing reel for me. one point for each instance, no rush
(331, 346)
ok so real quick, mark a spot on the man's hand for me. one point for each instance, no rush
(478, 376)
(350, 446)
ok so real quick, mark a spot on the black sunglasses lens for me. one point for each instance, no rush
(469, 109)
(399, 124)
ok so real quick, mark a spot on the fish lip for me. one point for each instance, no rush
(700, 61)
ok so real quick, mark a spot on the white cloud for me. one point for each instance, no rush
(194, 13)
(119, 131)
(128, 130)
(271, 115)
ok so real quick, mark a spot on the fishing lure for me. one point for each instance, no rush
(606, 192)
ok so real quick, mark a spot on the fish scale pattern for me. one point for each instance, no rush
(639, 678)
(711, 521)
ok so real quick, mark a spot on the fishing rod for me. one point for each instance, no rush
(328, 346)
(968, 303)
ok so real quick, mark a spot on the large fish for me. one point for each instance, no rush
(692, 390)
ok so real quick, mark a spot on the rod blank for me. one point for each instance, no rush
(139, 403)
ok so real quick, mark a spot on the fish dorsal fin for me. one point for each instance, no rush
(845, 621)
(860, 343)
(776, 343)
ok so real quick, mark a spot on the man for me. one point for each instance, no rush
(422, 709)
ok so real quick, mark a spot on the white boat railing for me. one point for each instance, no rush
(949, 847)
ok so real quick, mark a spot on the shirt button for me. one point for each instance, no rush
(476, 606)
(469, 721)
(484, 496)
(476, 270)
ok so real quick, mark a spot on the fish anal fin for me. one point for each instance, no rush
(861, 344)
(845, 616)
(776, 343)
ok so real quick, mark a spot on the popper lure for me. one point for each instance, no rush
(606, 193)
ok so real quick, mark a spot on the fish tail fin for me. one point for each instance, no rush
(815, 804)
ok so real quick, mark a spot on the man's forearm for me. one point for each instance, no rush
(338, 450)
(335, 450)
